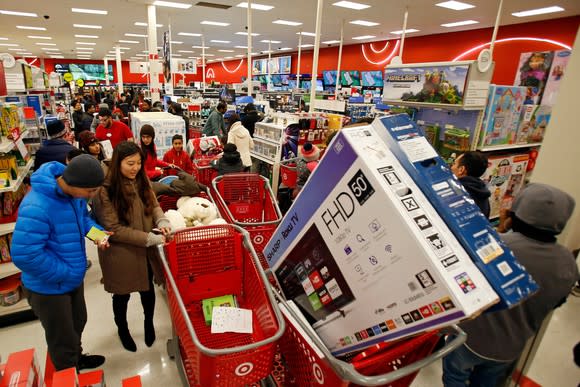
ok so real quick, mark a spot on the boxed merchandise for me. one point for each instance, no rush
(533, 71)
(365, 256)
(208, 304)
(21, 370)
(166, 126)
(134, 381)
(65, 378)
(561, 59)
(504, 178)
(508, 278)
(502, 115)
(534, 121)
(92, 379)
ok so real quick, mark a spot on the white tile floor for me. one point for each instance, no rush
(553, 365)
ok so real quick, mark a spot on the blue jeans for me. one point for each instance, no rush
(463, 366)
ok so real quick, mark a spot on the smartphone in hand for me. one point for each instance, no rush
(97, 235)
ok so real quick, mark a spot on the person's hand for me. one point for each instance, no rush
(155, 239)
(505, 220)
(104, 244)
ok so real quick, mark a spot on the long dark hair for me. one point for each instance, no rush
(148, 150)
(119, 195)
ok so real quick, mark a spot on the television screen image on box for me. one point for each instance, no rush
(372, 78)
(311, 277)
(350, 78)
(329, 78)
(305, 84)
(319, 85)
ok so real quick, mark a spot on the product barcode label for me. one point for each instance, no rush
(412, 286)
(504, 268)
(489, 251)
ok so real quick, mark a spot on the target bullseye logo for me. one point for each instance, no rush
(244, 369)
(318, 374)
(259, 239)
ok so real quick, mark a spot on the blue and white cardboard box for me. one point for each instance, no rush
(364, 255)
(495, 260)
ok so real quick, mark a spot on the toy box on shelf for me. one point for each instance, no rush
(502, 115)
(534, 121)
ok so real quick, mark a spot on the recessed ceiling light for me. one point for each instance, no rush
(31, 28)
(455, 5)
(459, 23)
(228, 57)
(259, 7)
(214, 23)
(86, 43)
(192, 57)
(45, 44)
(83, 56)
(364, 23)
(240, 56)
(136, 35)
(11, 44)
(50, 49)
(140, 54)
(331, 42)
(129, 41)
(3, 38)
(287, 22)
(270, 41)
(172, 4)
(92, 26)
(255, 53)
(84, 50)
(240, 46)
(186, 51)
(351, 5)
(177, 55)
(206, 47)
(220, 41)
(57, 56)
(176, 42)
(87, 36)
(246, 34)
(122, 48)
(363, 37)
(92, 11)
(188, 34)
(307, 45)
(306, 33)
(28, 54)
(285, 49)
(39, 37)
(16, 13)
(209, 55)
(141, 24)
(407, 31)
(226, 50)
(538, 11)
(17, 49)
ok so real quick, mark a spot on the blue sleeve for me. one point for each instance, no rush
(29, 250)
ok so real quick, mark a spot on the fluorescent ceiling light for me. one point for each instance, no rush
(45, 44)
(255, 53)
(228, 57)
(331, 42)
(176, 55)
(129, 41)
(50, 49)
(136, 35)
(364, 23)
(172, 4)
(220, 41)
(17, 49)
(285, 49)
(226, 50)
(39, 37)
(240, 56)
(188, 34)
(123, 48)
(31, 28)
(455, 5)
(16, 13)
(86, 43)
(57, 56)
(192, 57)
(176, 42)
(141, 24)
(407, 31)
(140, 54)
(209, 55)
(266, 52)
(363, 37)
(92, 26)
(214, 23)
(241, 47)
(92, 11)
(83, 56)
(538, 11)
(351, 5)
(287, 22)
(270, 41)
(3, 38)
(307, 45)
(259, 7)
(29, 54)
(206, 47)
(459, 23)
(246, 34)
(186, 51)
(11, 44)
(87, 36)
(306, 33)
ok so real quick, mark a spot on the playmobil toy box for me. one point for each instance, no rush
(508, 278)
(364, 255)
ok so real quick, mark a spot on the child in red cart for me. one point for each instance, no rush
(153, 166)
(177, 156)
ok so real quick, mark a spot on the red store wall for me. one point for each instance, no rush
(432, 48)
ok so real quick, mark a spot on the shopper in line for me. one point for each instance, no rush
(89, 143)
(468, 168)
(153, 166)
(48, 245)
(251, 116)
(240, 136)
(177, 156)
(145, 106)
(114, 131)
(230, 161)
(215, 125)
(126, 205)
(496, 340)
(81, 119)
(56, 147)
(176, 109)
(305, 165)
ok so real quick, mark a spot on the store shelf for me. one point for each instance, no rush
(7, 145)
(6, 228)
(442, 106)
(262, 158)
(20, 306)
(7, 269)
(22, 172)
(267, 140)
(508, 147)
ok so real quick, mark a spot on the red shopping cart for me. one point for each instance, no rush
(246, 199)
(203, 171)
(309, 363)
(169, 202)
(211, 261)
(288, 173)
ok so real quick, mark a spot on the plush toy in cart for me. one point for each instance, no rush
(193, 212)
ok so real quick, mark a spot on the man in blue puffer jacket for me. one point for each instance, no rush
(48, 245)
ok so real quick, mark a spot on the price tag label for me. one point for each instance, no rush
(22, 148)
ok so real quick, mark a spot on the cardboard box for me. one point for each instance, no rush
(365, 256)
(134, 381)
(22, 370)
(499, 265)
(92, 379)
(502, 115)
(65, 378)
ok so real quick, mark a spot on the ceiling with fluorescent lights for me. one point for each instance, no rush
(123, 14)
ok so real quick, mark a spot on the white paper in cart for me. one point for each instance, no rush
(364, 254)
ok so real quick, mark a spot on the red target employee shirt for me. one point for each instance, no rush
(116, 133)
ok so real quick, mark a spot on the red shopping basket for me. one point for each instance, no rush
(203, 170)
(247, 200)
(211, 261)
(288, 173)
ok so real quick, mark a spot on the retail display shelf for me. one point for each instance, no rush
(7, 269)
(6, 228)
(508, 147)
(441, 106)
(268, 140)
(262, 158)
(7, 145)
(22, 172)
(20, 306)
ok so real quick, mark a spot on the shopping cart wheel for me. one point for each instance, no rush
(172, 347)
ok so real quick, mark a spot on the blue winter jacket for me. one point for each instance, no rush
(48, 243)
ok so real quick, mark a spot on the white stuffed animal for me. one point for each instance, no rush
(176, 219)
(198, 211)
(182, 200)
